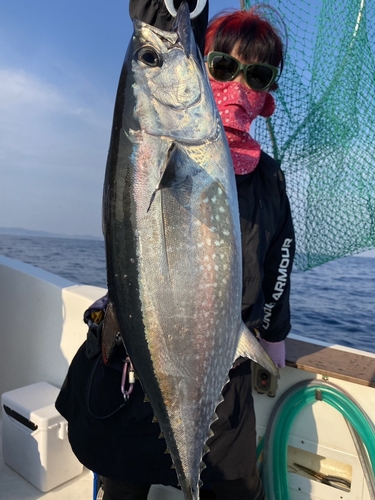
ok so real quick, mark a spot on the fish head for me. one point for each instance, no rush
(171, 91)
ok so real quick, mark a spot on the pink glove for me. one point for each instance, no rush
(276, 351)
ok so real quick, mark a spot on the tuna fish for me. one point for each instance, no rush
(173, 242)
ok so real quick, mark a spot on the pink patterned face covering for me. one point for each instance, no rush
(238, 107)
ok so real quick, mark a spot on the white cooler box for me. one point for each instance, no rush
(35, 440)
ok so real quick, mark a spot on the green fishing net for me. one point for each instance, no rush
(323, 128)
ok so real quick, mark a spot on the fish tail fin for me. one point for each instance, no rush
(189, 492)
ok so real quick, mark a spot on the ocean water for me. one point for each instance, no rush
(334, 302)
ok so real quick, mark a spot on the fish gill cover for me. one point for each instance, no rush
(323, 127)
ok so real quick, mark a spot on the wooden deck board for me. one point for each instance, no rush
(332, 362)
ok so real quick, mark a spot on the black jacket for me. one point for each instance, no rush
(268, 247)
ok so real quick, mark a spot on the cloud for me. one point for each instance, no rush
(31, 108)
(53, 148)
(18, 88)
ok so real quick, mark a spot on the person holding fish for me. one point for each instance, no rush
(111, 431)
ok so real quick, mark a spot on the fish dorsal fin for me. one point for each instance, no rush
(249, 347)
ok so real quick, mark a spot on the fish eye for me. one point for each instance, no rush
(149, 57)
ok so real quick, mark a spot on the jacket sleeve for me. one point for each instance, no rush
(277, 268)
(155, 13)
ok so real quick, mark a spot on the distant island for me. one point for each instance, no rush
(19, 231)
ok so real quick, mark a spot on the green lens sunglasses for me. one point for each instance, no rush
(224, 68)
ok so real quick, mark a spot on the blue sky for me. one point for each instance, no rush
(59, 68)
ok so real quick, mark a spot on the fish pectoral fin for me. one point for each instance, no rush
(177, 174)
(169, 173)
(170, 168)
(249, 347)
(152, 199)
(178, 167)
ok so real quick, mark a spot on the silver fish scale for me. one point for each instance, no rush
(189, 287)
(173, 239)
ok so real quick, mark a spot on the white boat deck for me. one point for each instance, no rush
(304, 440)
(15, 487)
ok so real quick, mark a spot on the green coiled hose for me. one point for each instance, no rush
(275, 460)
